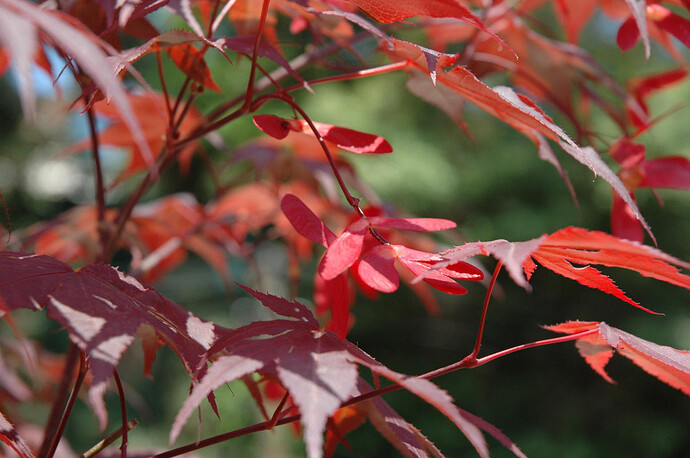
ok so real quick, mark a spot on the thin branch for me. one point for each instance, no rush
(539, 343)
(482, 320)
(255, 54)
(60, 399)
(464, 364)
(123, 413)
(279, 410)
(100, 186)
(99, 447)
(68, 408)
(164, 86)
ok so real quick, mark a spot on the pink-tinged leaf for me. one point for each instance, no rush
(377, 269)
(324, 394)
(344, 251)
(513, 255)
(666, 172)
(101, 308)
(311, 364)
(624, 225)
(283, 307)
(305, 221)
(222, 371)
(9, 436)
(412, 224)
(432, 277)
(272, 125)
(669, 365)
(81, 46)
(493, 431)
(401, 435)
(628, 34)
(638, 9)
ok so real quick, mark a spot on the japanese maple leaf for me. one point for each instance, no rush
(101, 308)
(669, 365)
(10, 436)
(376, 269)
(347, 139)
(563, 251)
(672, 172)
(642, 88)
(165, 229)
(20, 24)
(151, 114)
(664, 22)
(317, 368)
(388, 11)
(517, 110)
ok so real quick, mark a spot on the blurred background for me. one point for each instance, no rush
(546, 399)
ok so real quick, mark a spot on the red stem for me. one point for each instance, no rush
(463, 364)
(255, 54)
(164, 86)
(482, 320)
(68, 408)
(100, 187)
(123, 413)
(60, 399)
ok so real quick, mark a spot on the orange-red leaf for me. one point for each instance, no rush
(669, 365)
(191, 61)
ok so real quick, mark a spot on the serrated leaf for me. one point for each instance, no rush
(669, 365)
(101, 308)
(83, 47)
(10, 436)
(317, 368)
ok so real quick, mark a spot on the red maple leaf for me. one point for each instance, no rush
(317, 368)
(517, 110)
(669, 365)
(347, 139)
(102, 309)
(10, 436)
(565, 250)
(151, 115)
(672, 172)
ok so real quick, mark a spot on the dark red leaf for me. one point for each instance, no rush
(102, 309)
(628, 34)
